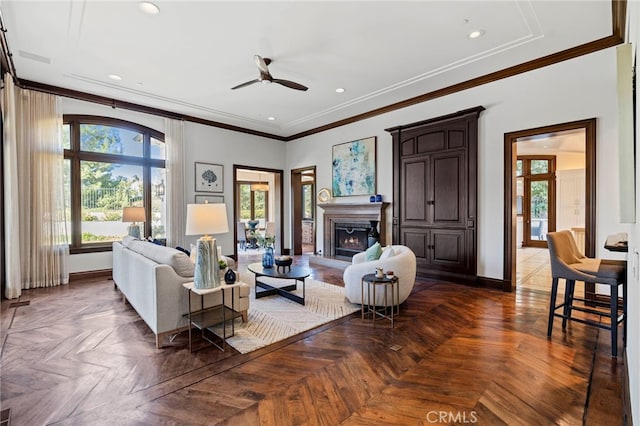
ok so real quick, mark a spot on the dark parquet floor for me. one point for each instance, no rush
(76, 355)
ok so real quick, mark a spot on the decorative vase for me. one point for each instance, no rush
(207, 269)
(373, 236)
(372, 199)
(267, 258)
(230, 276)
(378, 198)
(134, 231)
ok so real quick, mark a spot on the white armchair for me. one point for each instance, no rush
(399, 259)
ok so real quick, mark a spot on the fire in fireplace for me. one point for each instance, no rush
(350, 238)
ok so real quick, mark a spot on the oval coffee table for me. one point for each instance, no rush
(295, 273)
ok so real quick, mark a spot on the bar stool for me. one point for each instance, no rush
(569, 264)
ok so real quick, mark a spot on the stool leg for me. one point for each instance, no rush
(568, 302)
(552, 304)
(614, 321)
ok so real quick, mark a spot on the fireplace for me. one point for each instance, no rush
(346, 227)
(350, 238)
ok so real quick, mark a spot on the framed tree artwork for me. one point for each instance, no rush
(209, 177)
(354, 168)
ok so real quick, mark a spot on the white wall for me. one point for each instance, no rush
(203, 144)
(633, 324)
(542, 97)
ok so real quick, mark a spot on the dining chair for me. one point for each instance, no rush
(242, 235)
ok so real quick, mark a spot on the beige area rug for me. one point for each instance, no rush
(274, 318)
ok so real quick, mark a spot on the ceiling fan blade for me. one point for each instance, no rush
(248, 83)
(262, 63)
(290, 84)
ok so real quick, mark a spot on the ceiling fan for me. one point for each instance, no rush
(266, 77)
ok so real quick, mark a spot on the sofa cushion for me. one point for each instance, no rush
(127, 240)
(373, 252)
(387, 252)
(164, 255)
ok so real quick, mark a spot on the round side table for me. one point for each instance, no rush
(369, 307)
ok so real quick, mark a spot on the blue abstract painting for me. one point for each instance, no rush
(354, 168)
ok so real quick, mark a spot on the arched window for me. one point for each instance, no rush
(111, 164)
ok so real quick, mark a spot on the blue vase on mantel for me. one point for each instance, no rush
(267, 258)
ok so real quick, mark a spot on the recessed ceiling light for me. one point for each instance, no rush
(476, 34)
(339, 90)
(115, 77)
(149, 8)
(271, 118)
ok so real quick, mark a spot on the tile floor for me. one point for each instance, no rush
(533, 271)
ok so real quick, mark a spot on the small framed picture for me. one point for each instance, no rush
(209, 177)
(211, 199)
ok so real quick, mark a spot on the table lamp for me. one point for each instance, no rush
(204, 219)
(133, 214)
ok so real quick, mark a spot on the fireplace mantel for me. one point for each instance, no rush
(354, 213)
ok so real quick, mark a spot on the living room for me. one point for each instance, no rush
(579, 88)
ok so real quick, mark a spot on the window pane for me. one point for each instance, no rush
(539, 167)
(66, 136)
(110, 140)
(259, 205)
(245, 201)
(519, 167)
(105, 189)
(158, 149)
(158, 203)
(539, 209)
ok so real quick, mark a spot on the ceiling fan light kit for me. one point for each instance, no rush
(267, 78)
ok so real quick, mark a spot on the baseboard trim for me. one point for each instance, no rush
(493, 283)
(470, 280)
(89, 275)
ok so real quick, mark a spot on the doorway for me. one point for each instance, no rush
(303, 187)
(257, 209)
(515, 206)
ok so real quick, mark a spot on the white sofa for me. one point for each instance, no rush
(150, 278)
(399, 259)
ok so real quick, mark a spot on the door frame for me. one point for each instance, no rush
(510, 219)
(277, 192)
(296, 207)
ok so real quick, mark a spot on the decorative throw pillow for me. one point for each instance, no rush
(387, 252)
(185, 251)
(373, 252)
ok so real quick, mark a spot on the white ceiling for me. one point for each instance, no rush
(568, 141)
(187, 58)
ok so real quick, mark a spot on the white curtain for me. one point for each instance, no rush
(174, 140)
(36, 244)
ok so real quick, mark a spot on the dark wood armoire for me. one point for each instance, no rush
(435, 193)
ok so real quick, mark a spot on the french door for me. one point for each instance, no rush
(537, 201)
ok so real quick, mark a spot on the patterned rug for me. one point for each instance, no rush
(274, 318)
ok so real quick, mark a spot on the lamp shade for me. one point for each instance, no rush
(133, 214)
(205, 219)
